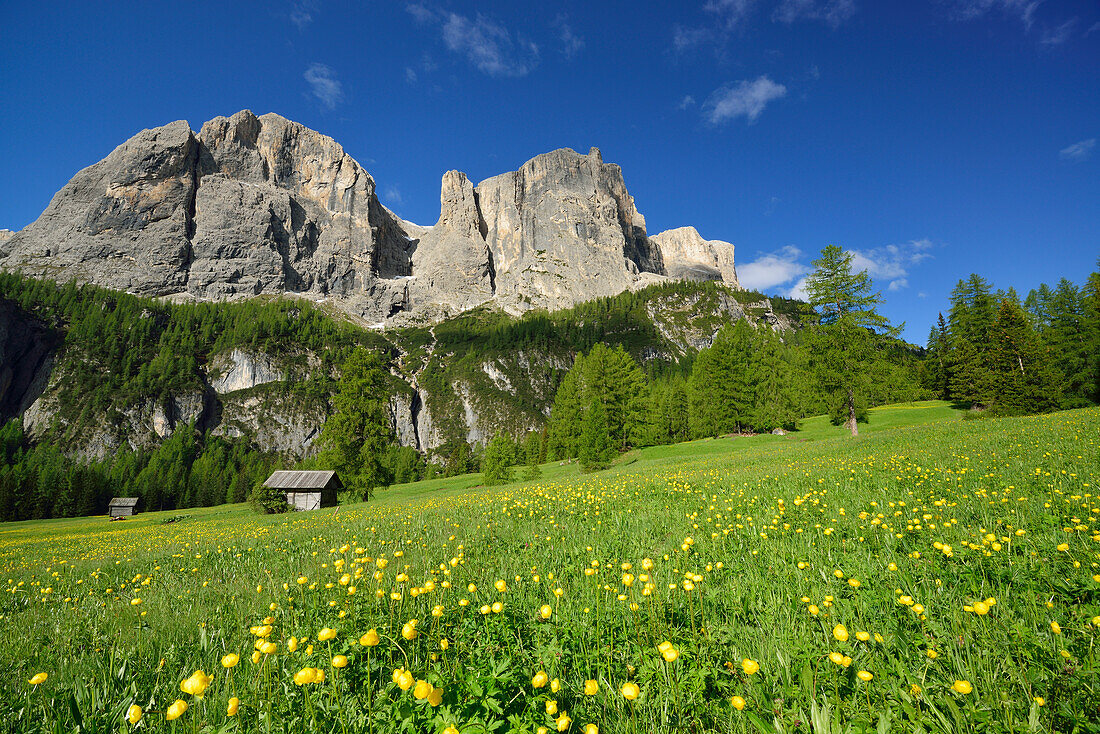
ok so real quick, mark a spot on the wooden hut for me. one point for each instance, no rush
(306, 490)
(122, 507)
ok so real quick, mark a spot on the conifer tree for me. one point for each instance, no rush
(844, 342)
(1024, 381)
(496, 463)
(596, 447)
(355, 436)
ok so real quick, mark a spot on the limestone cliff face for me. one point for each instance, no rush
(563, 229)
(250, 205)
(452, 266)
(688, 256)
(262, 205)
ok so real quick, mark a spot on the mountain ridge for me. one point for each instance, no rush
(260, 204)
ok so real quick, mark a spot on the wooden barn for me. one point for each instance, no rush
(122, 507)
(306, 490)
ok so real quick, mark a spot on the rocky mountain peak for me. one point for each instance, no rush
(261, 204)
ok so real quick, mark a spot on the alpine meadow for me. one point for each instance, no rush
(396, 406)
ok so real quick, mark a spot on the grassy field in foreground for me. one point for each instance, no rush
(933, 574)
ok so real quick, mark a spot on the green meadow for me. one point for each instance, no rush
(933, 574)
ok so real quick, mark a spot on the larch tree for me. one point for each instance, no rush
(844, 342)
(356, 435)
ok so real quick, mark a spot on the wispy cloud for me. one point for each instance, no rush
(392, 195)
(1059, 34)
(892, 262)
(487, 44)
(833, 12)
(743, 99)
(1078, 152)
(410, 75)
(687, 101)
(324, 85)
(571, 43)
(1023, 10)
(301, 13)
(729, 13)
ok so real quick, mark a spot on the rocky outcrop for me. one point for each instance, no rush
(452, 266)
(563, 229)
(27, 348)
(262, 205)
(687, 256)
(242, 370)
(250, 205)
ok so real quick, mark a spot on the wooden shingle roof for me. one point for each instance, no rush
(124, 501)
(302, 481)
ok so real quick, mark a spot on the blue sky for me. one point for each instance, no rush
(934, 138)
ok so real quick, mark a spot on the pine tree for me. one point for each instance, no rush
(844, 342)
(773, 404)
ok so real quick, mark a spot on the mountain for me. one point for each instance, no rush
(262, 205)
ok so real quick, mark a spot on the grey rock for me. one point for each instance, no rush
(27, 349)
(123, 223)
(688, 256)
(263, 205)
(563, 229)
(452, 266)
(273, 421)
(242, 370)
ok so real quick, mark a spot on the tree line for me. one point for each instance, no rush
(999, 354)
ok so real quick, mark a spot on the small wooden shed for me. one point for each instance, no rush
(306, 490)
(122, 507)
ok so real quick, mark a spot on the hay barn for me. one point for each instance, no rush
(306, 490)
(122, 507)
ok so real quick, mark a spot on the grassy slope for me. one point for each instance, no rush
(757, 506)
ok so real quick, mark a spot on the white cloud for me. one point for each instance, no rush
(571, 43)
(684, 39)
(1058, 35)
(1023, 10)
(421, 12)
(489, 46)
(324, 85)
(686, 102)
(744, 99)
(301, 13)
(771, 270)
(392, 194)
(833, 12)
(798, 290)
(784, 271)
(729, 12)
(1078, 152)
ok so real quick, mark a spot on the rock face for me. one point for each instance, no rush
(262, 205)
(250, 205)
(27, 349)
(563, 229)
(688, 256)
(241, 370)
(452, 265)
